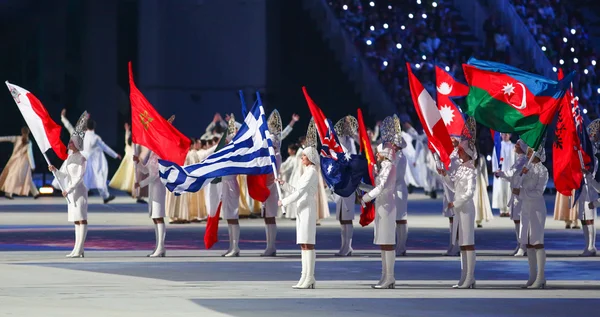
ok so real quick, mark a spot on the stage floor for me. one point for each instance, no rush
(116, 279)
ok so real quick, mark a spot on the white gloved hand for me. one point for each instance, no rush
(366, 198)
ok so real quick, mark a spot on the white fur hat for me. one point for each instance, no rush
(312, 154)
(468, 148)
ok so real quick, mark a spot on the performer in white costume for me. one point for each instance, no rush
(96, 172)
(482, 200)
(212, 192)
(453, 247)
(463, 182)
(588, 198)
(515, 203)
(290, 173)
(230, 203)
(346, 129)
(124, 177)
(16, 177)
(401, 197)
(72, 178)
(302, 194)
(501, 188)
(156, 200)
(384, 194)
(533, 216)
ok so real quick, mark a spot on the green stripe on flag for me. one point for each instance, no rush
(503, 117)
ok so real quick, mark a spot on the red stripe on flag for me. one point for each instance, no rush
(211, 235)
(50, 127)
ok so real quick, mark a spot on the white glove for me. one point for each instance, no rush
(366, 198)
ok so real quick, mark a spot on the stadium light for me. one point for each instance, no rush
(554, 69)
(372, 28)
(424, 57)
(385, 63)
(399, 46)
(593, 62)
(572, 50)
(389, 7)
(417, 65)
(369, 42)
(488, 158)
(575, 60)
(424, 16)
(385, 25)
(46, 190)
(434, 4)
(402, 27)
(418, 1)
(561, 62)
(447, 68)
(565, 39)
(372, 3)
(598, 91)
(585, 71)
(573, 31)
(543, 48)
(345, 7)
(584, 111)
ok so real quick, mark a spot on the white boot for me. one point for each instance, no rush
(389, 281)
(589, 232)
(230, 240)
(160, 245)
(155, 239)
(78, 252)
(309, 282)
(540, 279)
(271, 232)
(517, 229)
(463, 269)
(343, 241)
(347, 231)
(531, 258)
(470, 278)
(235, 239)
(303, 256)
(401, 236)
(383, 271)
(451, 245)
(76, 242)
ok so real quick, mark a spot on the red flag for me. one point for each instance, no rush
(431, 119)
(330, 147)
(448, 87)
(367, 213)
(150, 129)
(45, 131)
(211, 235)
(257, 187)
(566, 166)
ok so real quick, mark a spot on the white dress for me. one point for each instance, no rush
(481, 198)
(96, 172)
(448, 193)
(533, 213)
(303, 194)
(384, 194)
(156, 190)
(501, 190)
(463, 184)
(401, 189)
(296, 173)
(72, 178)
(412, 176)
(515, 203)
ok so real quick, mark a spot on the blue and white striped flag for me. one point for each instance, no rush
(247, 154)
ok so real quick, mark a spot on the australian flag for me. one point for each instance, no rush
(342, 171)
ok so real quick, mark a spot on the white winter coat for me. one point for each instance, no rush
(384, 194)
(156, 190)
(72, 177)
(303, 194)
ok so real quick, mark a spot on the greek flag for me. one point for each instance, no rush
(250, 153)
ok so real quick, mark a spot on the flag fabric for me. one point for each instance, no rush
(247, 154)
(497, 147)
(367, 213)
(587, 150)
(257, 184)
(510, 100)
(341, 170)
(447, 87)
(150, 129)
(211, 235)
(431, 119)
(44, 130)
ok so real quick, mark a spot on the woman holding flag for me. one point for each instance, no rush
(385, 209)
(302, 194)
(531, 191)
(75, 190)
(463, 182)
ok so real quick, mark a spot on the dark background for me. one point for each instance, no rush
(190, 58)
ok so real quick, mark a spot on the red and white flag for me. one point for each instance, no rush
(448, 87)
(45, 131)
(431, 119)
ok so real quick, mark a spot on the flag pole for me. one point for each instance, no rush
(271, 151)
(62, 189)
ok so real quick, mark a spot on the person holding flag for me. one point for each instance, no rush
(385, 208)
(303, 194)
(587, 213)
(230, 200)
(463, 182)
(533, 183)
(453, 247)
(72, 178)
(515, 204)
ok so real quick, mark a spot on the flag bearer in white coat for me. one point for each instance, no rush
(515, 203)
(463, 182)
(384, 194)
(531, 191)
(72, 180)
(588, 199)
(453, 247)
(303, 195)
(230, 203)
(501, 187)
(156, 201)
(96, 172)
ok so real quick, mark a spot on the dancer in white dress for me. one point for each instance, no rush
(74, 188)
(384, 194)
(303, 195)
(501, 187)
(515, 204)
(463, 182)
(531, 191)
(96, 172)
